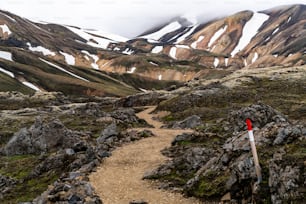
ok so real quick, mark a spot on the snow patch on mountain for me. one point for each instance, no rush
(110, 36)
(289, 19)
(12, 19)
(175, 37)
(183, 46)
(5, 29)
(217, 35)
(187, 34)
(94, 57)
(6, 55)
(250, 29)
(41, 49)
(11, 74)
(194, 44)
(143, 90)
(267, 39)
(157, 49)
(62, 69)
(216, 62)
(275, 31)
(153, 64)
(86, 57)
(160, 77)
(226, 61)
(165, 30)
(128, 51)
(30, 85)
(93, 41)
(172, 52)
(68, 58)
(132, 70)
(255, 57)
(152, 41)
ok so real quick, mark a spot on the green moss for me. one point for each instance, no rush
(11, 125)
(177, 179)
(27, 188)
(10, 84)
(17, 167)
(289, 97)
(210, 186)
(30, 188)
(185, 143)
(168, 118)
(84, 123)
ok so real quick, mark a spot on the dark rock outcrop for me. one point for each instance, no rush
(209, 165)
(71, 188)
(190, 122)
(42, 137)
(6, 184)
(61, 152)
(260, 115)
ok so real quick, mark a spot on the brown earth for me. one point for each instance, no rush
(119, 179)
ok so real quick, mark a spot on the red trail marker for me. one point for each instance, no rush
(254, 151)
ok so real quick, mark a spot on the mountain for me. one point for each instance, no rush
(51, 57)
(273, 37)
(69, 104)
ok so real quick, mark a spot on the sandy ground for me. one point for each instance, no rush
(119, 179)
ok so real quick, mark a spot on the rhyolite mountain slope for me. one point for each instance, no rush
(253, 39)
(51, 57)
(50, 141)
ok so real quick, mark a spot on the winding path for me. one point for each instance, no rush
(119, 179)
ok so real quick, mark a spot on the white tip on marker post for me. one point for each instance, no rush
(254, 151)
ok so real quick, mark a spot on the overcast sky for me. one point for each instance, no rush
(129, 17)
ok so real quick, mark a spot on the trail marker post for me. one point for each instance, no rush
(254, 152)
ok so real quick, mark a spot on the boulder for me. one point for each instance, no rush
(188, 123)
(107, 134)
(284, 181)
(42, 137)
(126, 115)
(70, 190)
(260, 115)
(6, 184)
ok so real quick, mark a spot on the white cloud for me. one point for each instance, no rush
(129, 17)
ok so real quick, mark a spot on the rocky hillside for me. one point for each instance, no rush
(49, 57)
(50, 142)
(49, 148)
(254, 39)
(69, 97)
(41, 56)
(215, 163)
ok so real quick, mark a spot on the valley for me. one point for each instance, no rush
(93, 117)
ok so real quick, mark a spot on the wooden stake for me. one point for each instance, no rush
(254, 151)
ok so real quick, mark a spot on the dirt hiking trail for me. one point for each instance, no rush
(119, 179)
